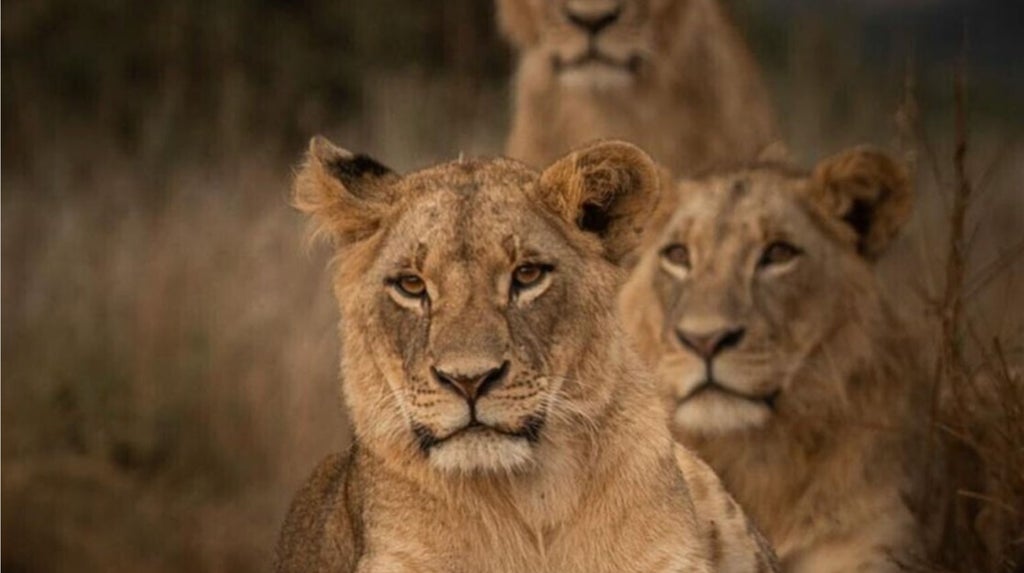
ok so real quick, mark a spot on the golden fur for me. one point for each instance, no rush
(778, 360)
(672, 76)
(501, 422)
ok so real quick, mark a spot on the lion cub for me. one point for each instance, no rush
(501, 422)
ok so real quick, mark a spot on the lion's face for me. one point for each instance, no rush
(471, 301)
(592, 43)
(737, 296)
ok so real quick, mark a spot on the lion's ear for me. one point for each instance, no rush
(345, 195)
(607, 189)
(517, 23)
(869, 192)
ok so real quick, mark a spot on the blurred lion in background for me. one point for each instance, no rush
(672, 76)
(779, 361)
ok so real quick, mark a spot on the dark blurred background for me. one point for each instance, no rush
(168, 344)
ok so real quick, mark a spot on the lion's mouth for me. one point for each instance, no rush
(528, 430)
(711, 385)
(595, 57)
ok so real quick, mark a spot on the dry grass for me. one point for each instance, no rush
(979, 390)
(173, 361)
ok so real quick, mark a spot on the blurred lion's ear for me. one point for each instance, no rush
(607, 190)
(517, 22)
(345, 195)
(868, 192)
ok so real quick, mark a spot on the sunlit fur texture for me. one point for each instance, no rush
(569, 466)
(816, 423)
(672, 76)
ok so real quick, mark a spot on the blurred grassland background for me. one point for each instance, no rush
(169, 349)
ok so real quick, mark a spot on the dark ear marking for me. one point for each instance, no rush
(594, 219)
(860, 216)
(348, 169)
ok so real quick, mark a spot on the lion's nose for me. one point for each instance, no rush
(593, 17)
(707, 345)
(472, 385)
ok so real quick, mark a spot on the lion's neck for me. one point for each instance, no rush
(554, 119)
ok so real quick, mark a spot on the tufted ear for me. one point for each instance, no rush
(607, 189)
(346, 196)
(517, 23)
(868, 192)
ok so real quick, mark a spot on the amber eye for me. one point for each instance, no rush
(778, 253)
(528, 275)
(677, 255)
(411, 286)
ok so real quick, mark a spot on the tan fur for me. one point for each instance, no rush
(676, 79)
(816, 421)
(570, 468)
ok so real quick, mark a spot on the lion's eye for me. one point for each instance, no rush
(778, 253)
(528, 275)
(677, 255)
(411, 286)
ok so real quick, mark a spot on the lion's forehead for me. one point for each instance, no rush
(470, 221)
(729, 211)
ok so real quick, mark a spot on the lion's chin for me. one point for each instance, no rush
(597, 76)
(482, 452)
(713, 413)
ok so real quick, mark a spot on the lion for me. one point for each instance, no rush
(778, 359)
(501, 421)
(672, 76)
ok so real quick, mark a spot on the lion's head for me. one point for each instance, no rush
(476, 294)
(673, 76)
(756, 297)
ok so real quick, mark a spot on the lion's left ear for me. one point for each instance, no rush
(868, 192)
(607, 189)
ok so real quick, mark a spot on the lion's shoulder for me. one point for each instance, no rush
(318, 531)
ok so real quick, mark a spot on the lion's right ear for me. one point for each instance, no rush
(517, 23)
(345, 195)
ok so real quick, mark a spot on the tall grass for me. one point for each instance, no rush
(182, 353)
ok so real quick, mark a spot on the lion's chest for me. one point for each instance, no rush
(487, 540)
